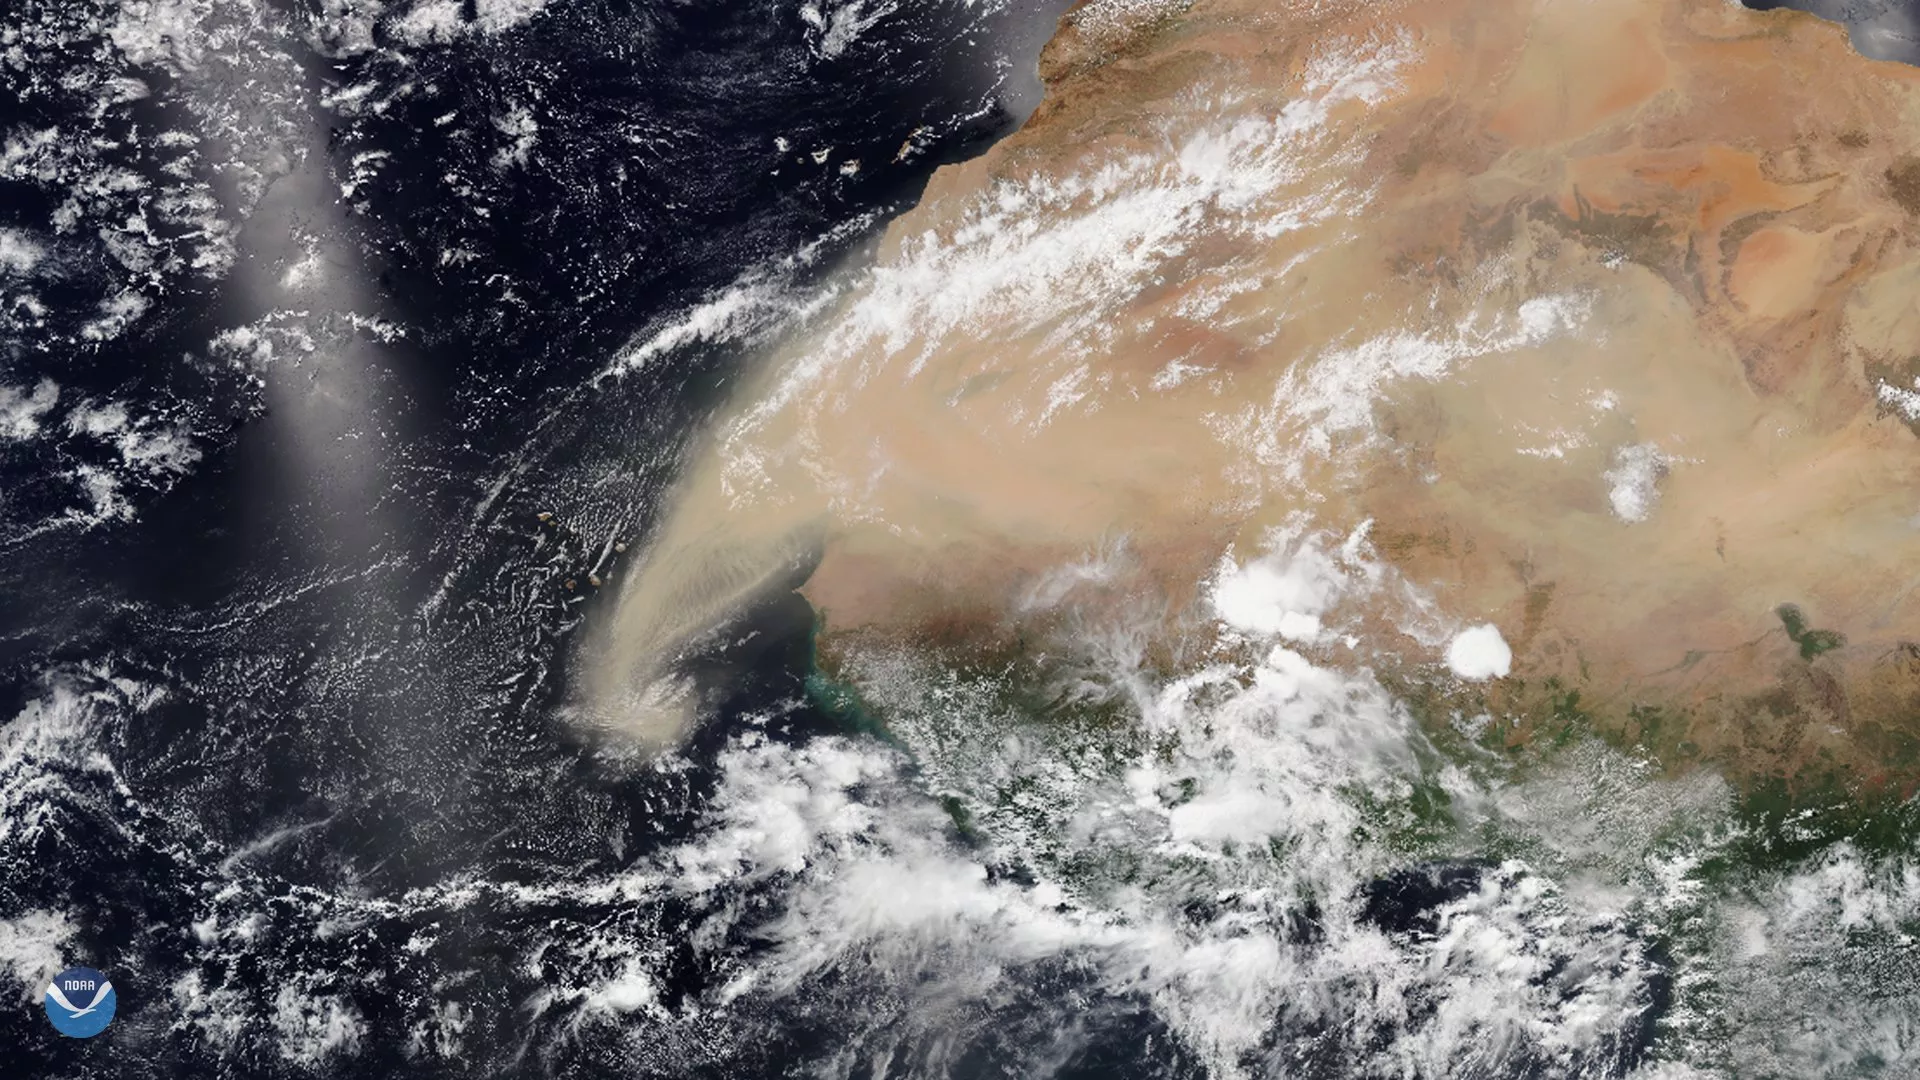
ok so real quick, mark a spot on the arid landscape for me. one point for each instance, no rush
(1592, 321)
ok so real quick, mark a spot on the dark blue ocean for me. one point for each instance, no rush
(335, 302)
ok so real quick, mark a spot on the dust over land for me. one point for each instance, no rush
(1602, 314)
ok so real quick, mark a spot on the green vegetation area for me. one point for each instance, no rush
(1812, 642)
(1771, 823)
(1763, 828)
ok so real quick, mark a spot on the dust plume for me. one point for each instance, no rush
(1594, 317)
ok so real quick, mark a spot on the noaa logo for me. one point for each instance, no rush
(80, 1002)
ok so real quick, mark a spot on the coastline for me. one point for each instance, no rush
(1116, 348)
(1889, 34)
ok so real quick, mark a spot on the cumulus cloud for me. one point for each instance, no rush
(1633, 484)
(21, 409)
(30, 948)
(1479, 653)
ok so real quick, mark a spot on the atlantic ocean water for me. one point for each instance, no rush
(309, 348)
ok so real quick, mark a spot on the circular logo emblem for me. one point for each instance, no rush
(80, 1002)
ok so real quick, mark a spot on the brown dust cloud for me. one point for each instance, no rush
(1595, 321)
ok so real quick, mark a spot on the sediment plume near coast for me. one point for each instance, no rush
(1591, 322)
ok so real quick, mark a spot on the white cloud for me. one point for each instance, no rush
(1479, 653)
(1633, 484)
(1055, 256)
(1906, 401)
(21, 410)
(838, 26)
(143, 447)
(117, 312)
(313, 1029)
(1284, 594)
(19, 254)
(1337, 392)
(32, 947)
(441, 21)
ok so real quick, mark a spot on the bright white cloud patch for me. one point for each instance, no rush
(314, 1029)
(1283, 595)
(1633, 484)
(21, 409)
(31, 947)
(836, 26)
(442, 21)
(1338, 392)
(117, 312)
(1907, 402)
(144, 447)
(1479, 652)
(19, 254)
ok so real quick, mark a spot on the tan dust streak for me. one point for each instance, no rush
(1443, 266)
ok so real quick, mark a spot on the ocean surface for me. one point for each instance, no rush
(1881, 29)
(307, 315)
